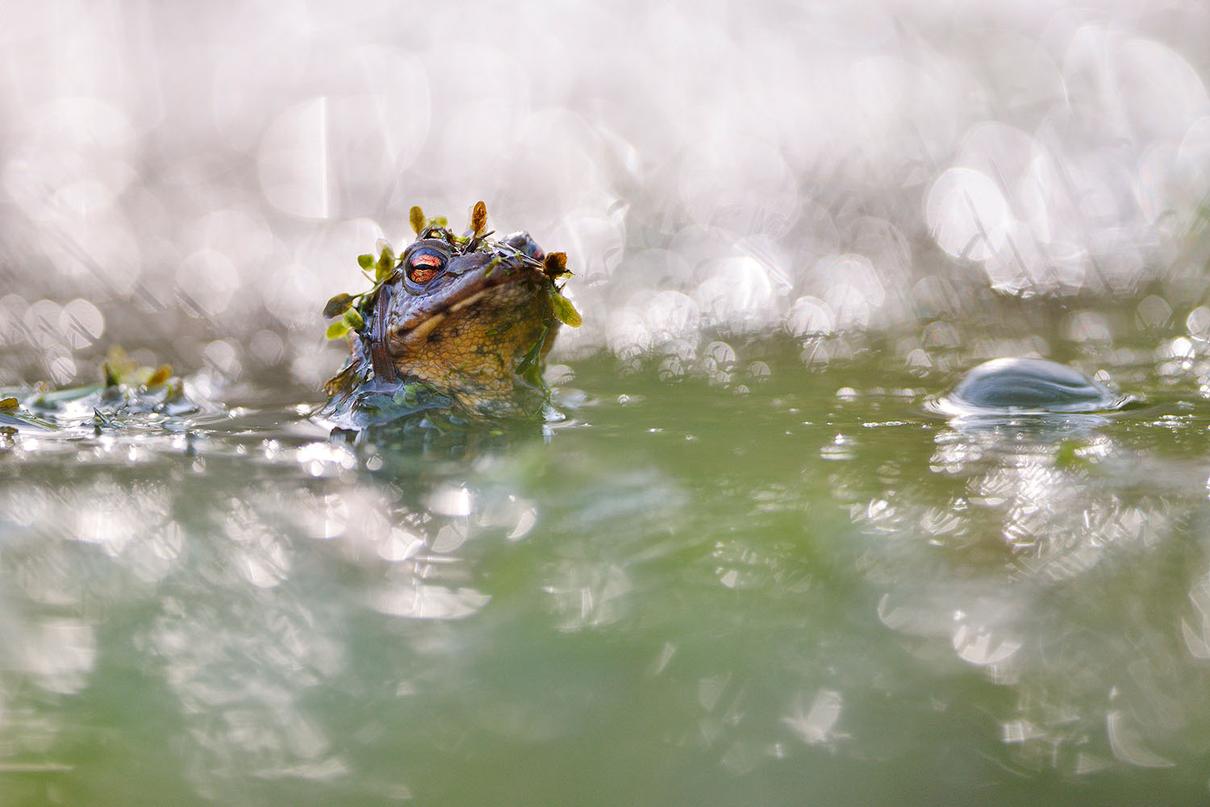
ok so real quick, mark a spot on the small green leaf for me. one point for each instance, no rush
(337, 328)
(338, 305)
(564, 311)
(117, 367)
(161, 374)
(479, 219)
(409, 395)
(353, 319)
(365, 261)
(555, 265)
(175, 391)
(8, 404)
(416, 219)
(529, 367)
(440, 221)
(344, 380)
(386, 263)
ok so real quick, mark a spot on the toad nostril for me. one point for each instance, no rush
(522, 242)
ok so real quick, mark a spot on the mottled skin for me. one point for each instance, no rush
(470, 349)
(463, 322)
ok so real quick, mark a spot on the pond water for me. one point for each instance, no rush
(769, 582)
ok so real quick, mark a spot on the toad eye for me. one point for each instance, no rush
(424, 264)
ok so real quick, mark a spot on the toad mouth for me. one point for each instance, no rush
(423, 322)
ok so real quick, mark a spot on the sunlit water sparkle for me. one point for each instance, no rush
(819, 586)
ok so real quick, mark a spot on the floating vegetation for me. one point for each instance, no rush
(126, 391)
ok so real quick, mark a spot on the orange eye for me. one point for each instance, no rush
(423, 275)
(425, 264)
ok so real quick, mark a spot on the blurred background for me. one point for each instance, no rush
(193, 181)
(782, 578)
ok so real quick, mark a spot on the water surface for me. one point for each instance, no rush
(762, 584)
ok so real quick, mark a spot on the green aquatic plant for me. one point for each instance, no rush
(125, 388)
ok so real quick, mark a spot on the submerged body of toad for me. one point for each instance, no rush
(457, 322)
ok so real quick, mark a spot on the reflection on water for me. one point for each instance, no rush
(814, 587)
(1036, 568)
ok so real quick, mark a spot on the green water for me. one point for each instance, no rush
(763, 584)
